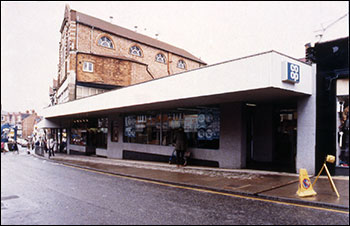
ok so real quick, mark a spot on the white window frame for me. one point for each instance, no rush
(160, 58)
(105, 42)
(88, 66)
(135, 50)
(181, 64)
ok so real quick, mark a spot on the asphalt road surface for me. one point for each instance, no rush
(37, 191)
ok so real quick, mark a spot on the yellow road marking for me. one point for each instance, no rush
(208, 191)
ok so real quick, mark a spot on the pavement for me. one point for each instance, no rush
(275, 186)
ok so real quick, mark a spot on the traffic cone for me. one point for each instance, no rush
(305, 187)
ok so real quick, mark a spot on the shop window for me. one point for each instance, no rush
(142, 128)
(343, 131)
(171, 121)
(202, 127)
(93, 131)
(78, 135)
(101, 133)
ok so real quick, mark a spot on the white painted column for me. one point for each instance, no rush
(306, 133)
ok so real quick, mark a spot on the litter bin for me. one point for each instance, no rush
(39, 150)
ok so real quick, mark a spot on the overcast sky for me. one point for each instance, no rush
(214, 31)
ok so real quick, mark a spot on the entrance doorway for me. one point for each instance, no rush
(62, 140)
(286, 139)
(271, 137)
(90, 142)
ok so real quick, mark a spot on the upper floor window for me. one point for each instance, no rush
(181, 64)
(106, 42)
(88, 66)
(160, 58)
(134, 50)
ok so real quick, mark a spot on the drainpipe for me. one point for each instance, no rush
(76, 75)
(168, 64)
(76, 36)
(92, 31)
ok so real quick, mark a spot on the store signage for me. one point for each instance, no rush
(291, 72)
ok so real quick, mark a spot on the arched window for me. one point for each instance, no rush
(181, 64)
(134, 50)
(106, 42)
(160, 58)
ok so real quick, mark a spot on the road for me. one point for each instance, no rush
(37, 191)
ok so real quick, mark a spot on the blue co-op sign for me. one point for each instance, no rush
(291, 72)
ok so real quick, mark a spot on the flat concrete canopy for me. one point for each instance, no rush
(47, 124)
(255, 78)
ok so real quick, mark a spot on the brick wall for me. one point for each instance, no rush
(82, 39)
(88, 42)
(105, 70)
(28, 125)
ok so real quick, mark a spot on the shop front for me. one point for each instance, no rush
(332, 85)
(156, 128)
(88, 136)
(342, 122)
(254, 112)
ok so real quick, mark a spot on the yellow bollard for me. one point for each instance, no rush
(305, 187)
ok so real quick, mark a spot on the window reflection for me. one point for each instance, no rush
(201, 125)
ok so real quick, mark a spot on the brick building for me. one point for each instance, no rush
(96, 56)
(23, 121)
(28, 124)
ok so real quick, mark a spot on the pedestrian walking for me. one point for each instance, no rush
(15, 147)
(180, 146)
(51, 146)
(187, 155)
(45, 144)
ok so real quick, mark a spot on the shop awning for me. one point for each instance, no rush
(258, 77)
(47, 124)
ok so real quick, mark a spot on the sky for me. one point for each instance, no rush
(214, 31)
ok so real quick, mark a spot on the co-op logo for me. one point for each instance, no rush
(291, 73)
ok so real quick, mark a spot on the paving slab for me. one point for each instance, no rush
(270, 185)
(325, 193)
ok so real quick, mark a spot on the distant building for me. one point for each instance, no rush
(3, 116)
(28, 124)
(14, 119)
(96, 56)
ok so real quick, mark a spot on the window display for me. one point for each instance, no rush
(201, 125)
(142, 128)
(343, 131)
(78, 135)
(101, 133)
(90, 132)
(171, 121)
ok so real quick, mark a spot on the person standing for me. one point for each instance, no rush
(180, 146)
(44, 143)
(15, 147)
(51, 146)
